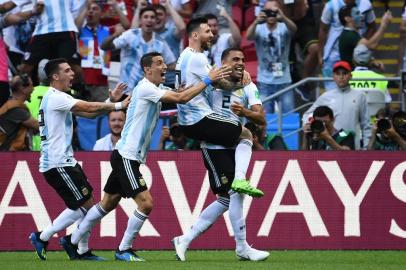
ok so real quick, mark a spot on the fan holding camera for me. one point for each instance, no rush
(388, 133)
(320, 134)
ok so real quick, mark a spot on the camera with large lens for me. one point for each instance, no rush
(270, 13)
(383, 124)
(317, 126)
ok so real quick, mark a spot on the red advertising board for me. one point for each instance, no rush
(313, 200)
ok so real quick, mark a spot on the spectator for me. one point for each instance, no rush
(402, 51)
(350, 107)
(171, 33)
(35, 100)
(363, 60)
(388, 133)
(115, 12)
(54, 36)
(272, 43)
(183, 7)
(7, 20)
(331, 28)
(350, 18)
(16, 122)
(95, 62)
(227, 39)
(261, 140)
(320, 134)
(173, 138)
(134, 43)
(214, 7)
(116, 124)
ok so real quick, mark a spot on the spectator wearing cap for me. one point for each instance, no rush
(227, 39)
(362, 59)
(34, 101)
(349, 106)
(272, 32)
(350, 18)
(331, 28)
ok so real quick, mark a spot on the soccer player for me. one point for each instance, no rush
(243, 103)
(57, 164)
(196, 117)
(125, 179)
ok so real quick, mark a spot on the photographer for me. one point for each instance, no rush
(388, 133)
(320, 134)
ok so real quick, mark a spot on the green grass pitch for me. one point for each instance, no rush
(224, 260)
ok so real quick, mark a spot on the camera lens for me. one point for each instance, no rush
(317, 126)
(383, 124)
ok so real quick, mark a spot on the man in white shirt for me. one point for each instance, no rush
(239, 105)
(116, 124)
(125, 179)
(57, 164)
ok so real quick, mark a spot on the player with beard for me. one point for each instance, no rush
(57, 164)
(238, 105)
(197, 118)
(125, 179)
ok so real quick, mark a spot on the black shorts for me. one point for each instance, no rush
(125, 178)
(220, 164)
(71, 184)
(51, 46)
(306, 34)
(215, 129)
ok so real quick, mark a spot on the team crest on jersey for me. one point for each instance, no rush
(224, 180)
(239, 92)
(85, 191)
(142, 181)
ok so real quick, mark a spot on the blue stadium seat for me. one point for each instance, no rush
(290, 123)
(90, 130)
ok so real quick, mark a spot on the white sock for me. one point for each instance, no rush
(83, 245)
(64, 220)
(243, 154)
(237, 219)
(93, 216)
(134, 225)
(206, 219)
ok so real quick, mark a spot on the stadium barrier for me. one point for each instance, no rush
(313, 200)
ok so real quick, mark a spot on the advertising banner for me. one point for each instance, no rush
(313, 200)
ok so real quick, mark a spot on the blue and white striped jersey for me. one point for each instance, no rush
(133, 47)
(58, 16)
(221, 100)
(56, 130)
(194, 67)
(141, 119)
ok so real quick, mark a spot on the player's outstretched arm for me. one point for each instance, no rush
(93, 109)
(189, 93)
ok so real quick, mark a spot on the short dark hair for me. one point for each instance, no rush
(146, 59)
(227, 51)
(159, 6)
(52, 67)
(323, 111)
(149, 8)
(122, 110)
(345, 11)
(210, 16)
(195, 24)
(19, 81)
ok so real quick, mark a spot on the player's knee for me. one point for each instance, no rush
(88, 204)
(246, 134)
(146, 206)
(110, 201)
(313, 49)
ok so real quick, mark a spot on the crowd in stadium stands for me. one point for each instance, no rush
(283, 42)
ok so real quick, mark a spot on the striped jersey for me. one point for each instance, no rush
(58, 16)
(133, 47)
(194, 67)
(220, 101)
(141, 119)
(56, 130)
